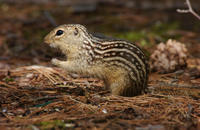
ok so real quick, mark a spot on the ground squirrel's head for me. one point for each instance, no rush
(67, 37)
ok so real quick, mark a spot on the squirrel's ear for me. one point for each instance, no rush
(75, 31)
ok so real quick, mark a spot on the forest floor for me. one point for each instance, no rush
(35, 95)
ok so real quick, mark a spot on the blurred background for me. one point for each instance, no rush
(24, 23)
(35, 95)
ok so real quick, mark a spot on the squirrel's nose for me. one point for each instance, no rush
(47, 39)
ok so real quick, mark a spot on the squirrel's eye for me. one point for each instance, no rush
(59, 32)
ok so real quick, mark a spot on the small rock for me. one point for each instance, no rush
(69, 125)
(104, 111)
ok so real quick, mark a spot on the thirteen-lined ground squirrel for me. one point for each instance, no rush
(122, 65)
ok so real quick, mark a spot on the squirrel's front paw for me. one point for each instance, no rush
(55, 61)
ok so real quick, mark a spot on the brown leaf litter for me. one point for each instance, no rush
(31, 95)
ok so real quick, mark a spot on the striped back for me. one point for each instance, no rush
(119, 53)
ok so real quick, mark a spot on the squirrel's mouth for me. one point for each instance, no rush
(52, 45)
(57, 52)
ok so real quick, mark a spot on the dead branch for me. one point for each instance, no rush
(189, 10)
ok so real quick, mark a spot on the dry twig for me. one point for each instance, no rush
(189, 10)
(83, 105)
